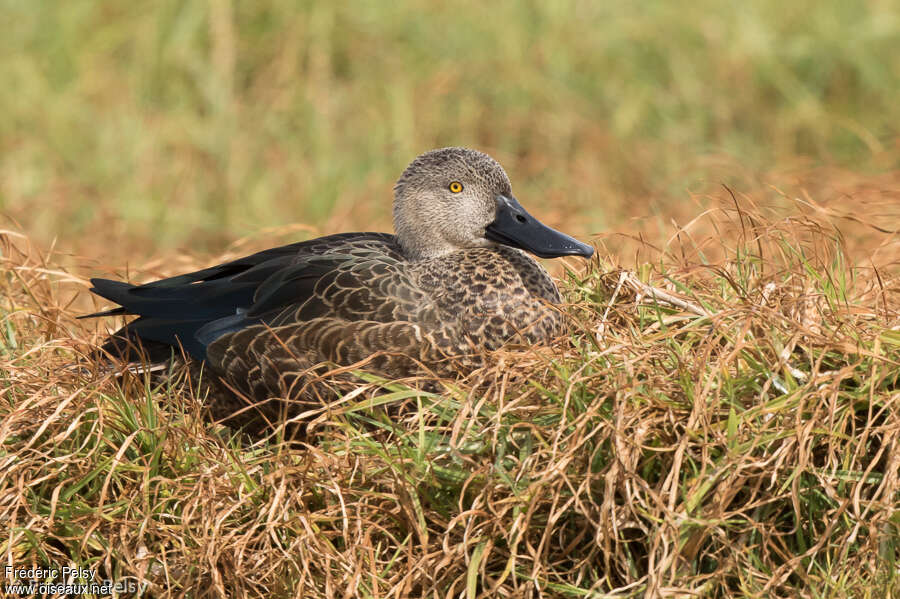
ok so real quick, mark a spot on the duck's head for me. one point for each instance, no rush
(455, 198)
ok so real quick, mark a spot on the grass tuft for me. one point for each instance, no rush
(721, 422)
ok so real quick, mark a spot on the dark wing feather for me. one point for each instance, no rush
(236, 268)
(294, 285)
(282, 291)
(232, 295)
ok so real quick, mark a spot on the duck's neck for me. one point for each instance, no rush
(433, 253)
(416, 252)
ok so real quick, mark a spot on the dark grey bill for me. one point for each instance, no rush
(513, 226)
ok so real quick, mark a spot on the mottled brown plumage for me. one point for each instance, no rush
(454, 281)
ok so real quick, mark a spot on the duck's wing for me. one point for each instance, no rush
(367, 305)
(171, 311)
(356, 284)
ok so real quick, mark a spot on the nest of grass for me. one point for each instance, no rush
(724, 422)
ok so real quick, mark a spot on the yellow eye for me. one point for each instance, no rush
(456, 187)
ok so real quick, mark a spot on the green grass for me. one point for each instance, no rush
(200, 122)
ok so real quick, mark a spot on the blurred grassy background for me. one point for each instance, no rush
(167, 124)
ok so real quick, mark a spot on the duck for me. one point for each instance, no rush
(457, 278)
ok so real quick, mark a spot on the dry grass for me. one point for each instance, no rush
(746, 443)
